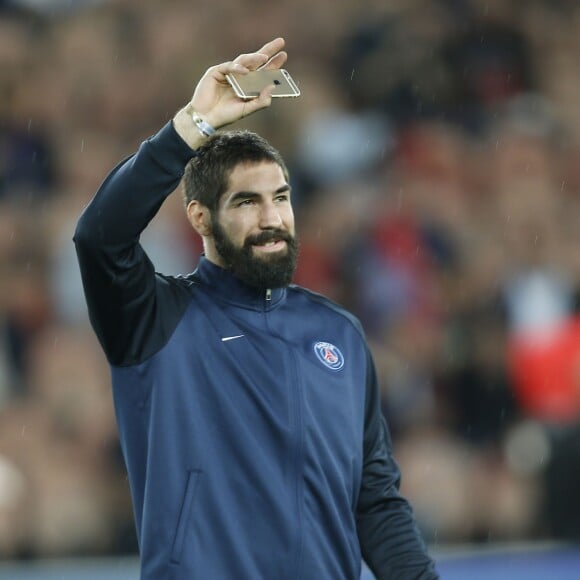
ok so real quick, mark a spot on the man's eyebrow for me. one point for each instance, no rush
(252, 194)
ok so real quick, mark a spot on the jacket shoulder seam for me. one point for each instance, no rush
(182, 282)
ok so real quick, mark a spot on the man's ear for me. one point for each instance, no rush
(199, 217)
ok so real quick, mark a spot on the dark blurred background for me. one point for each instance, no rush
(435, 158)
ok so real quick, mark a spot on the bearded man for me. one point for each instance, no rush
(247, 407)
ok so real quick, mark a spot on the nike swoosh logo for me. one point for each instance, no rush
(226, 338)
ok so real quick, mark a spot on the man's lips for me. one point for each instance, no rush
(271, 241)
(271, 246)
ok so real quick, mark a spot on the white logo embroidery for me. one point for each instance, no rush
(226, 338)
(329, 355)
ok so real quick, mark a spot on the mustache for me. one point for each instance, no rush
(272, 235)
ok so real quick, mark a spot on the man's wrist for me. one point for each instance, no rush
(202, 125)
(192, 127)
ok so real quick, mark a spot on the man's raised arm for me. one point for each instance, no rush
(118, 278)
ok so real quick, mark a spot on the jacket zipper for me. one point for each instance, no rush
(298, 459)
(297, 429)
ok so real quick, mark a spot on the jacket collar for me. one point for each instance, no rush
(224, 285)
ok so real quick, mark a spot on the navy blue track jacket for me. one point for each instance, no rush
(249, 421)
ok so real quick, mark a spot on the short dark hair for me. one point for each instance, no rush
(207, 174)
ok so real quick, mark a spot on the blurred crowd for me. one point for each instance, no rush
(435, 160)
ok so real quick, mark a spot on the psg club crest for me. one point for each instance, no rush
(329, 355)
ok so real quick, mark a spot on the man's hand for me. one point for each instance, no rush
(215, 100)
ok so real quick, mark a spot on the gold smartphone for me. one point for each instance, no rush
(250, 85)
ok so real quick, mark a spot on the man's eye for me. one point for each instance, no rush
(282, 198)
(246, 202)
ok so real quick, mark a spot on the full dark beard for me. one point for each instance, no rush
(271, 271)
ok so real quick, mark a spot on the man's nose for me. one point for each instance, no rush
(270, 216)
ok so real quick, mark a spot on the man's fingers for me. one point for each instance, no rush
(230, 67)
(261, 102)
(276, 62)
(253, 60)
(270, 56)
(273, 47)
(262, 57)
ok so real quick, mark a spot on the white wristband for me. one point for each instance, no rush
(203, 126)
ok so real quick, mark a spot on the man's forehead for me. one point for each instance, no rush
(261, 177)
(255, 167)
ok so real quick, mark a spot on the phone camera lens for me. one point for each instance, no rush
(276, 82)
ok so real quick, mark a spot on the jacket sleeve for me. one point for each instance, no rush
(390, 540)
(131, 308)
